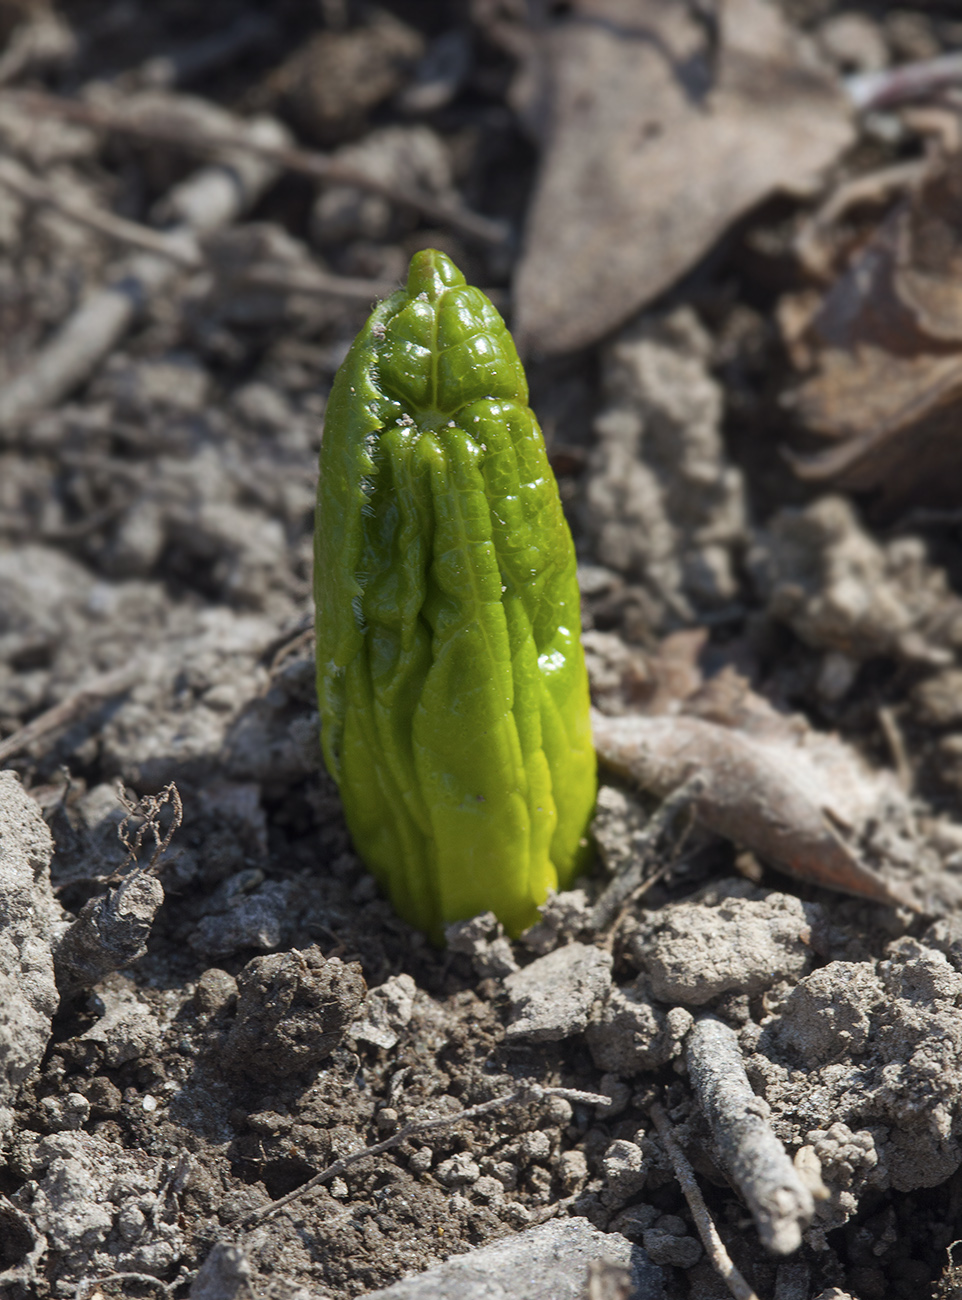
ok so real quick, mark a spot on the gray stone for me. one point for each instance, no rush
(30, 923)
(103, 1208)
(624, 1169)
(387, 1010)
(127, 1028)
(554, 997)
(110, 933)
(694, 952)
(821, 573)
(563, 917)
(631, 1034)
(549, 1262)
(458, 1171)
(661, 502)
(665, 1247)
(225, 1274)
(482, 938)
(238, 920)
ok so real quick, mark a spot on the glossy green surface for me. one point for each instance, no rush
(452, 685)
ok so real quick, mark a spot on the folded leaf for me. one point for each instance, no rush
(452, 685)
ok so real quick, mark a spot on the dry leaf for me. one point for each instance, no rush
(653, 144)
(771, 785)
(887, 345)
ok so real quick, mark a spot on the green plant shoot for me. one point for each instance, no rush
(451, 679)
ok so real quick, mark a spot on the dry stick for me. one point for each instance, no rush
(312, 282)
(907, 81)
(208, 200)
(746, 1145)
(315, 283)
(17, 179)
(183, 249)
(77, 703)
(522, 1096)
(714, 1246)
(150, 809)
(306, 162)
(83, 1286)
(897, 747)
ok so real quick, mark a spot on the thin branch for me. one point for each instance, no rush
(521, 1096)
(714, 1246)
(181, 249)
(745, 1143)
(305, 162)
(897, 747)
(869, 91)
(314, 283)
(83, 1287)
(79, 702)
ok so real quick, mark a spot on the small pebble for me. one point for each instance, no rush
(624, 1169)
(558, 1111)
(458, 1171)
(422, 1159)
(506, 1174)
(488, 1189)
(216, 991)
(534, 1146)
(665, 1248)
(572, 1170)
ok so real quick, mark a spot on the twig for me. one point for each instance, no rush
(53, 719)
(714, 1246)
(182, 250)
(149, 808)
(84, 1285)
(210, 199)
(897, 748)
(873, 90)
(745, 1142)
(314, 283)
(521, 1096)
(305, 162)
(645, 844)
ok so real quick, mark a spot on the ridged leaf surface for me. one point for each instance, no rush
(452, 686)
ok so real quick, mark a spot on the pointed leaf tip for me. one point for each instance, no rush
(432, 272)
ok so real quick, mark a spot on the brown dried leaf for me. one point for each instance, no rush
(887, 344)
(928, 267)
(649, 157)
(771, 785)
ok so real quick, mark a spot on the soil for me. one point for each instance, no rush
(279, 1016)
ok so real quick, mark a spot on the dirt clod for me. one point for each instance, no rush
(292, 1010)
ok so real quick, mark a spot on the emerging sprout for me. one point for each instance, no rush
(452, 684)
